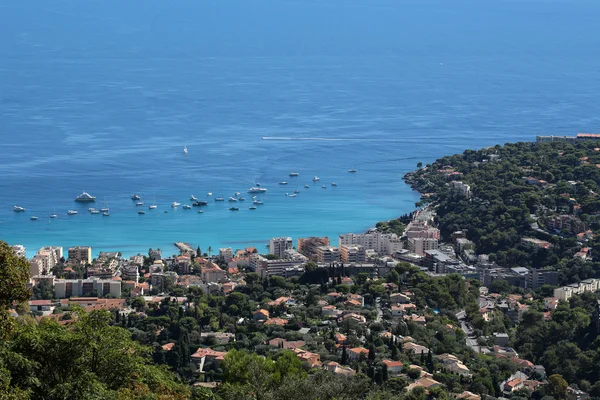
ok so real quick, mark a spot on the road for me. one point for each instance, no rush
(379, 312)
(471, 339)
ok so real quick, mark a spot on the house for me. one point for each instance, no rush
(466, 395)
(426, 383)
(352, 303)
(168, 346)
(313, 360)
(393, 367)
(212, 273)
(354, 353)
(417, 319)
(512, 385)
(288, 301)
(337, 369)
(44, 306)
(333, 296)
(347, 281)
(206, 355)
(284, 344)
(451, 364)
(260, 315)
(340, 338)
(330, 311)
(276, 321)
(354, 317)
(415, 348)
(358, 298)
(399, 298)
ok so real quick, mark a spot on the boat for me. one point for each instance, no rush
(219, 198)
(237, 193)
(152, 207)
(234, 209)
(53, 215)
(257, 184)
(252, 208)
(283, 183)
(106, 214)
(185, 150)
(141, 212)
(316, 178)
(18, 209)
(351, 170)
(306, 186)
(95, 212)
(324, 187)
(296, 191)
(135, 197)
(241, 199)
(293, 195)
(232, 199)
(91, 209)
(175, 204)
(333, 184)
(199, 203)
(193, 198)
(257, 202)
(187, 207)
(200, 211)
(71, 212)
(139, 203)
(166, 211)
(294, 174)
(33, 218)
(257, 189)
(209, 194)
(85, 197)
(104, 209)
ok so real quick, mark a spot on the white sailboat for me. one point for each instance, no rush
(185, 150)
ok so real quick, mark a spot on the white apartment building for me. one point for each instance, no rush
(420, 245)
(267, 268)
(566, 292)
(226, 253)
(382, 243)
(45, 259)
(81, 254)
(352, 254)
(19, 250)
(460, 187)
(64, 288)
(279, 245)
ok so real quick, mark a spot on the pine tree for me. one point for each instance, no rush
(430, 361)
(344, 359)
(394, 353)
(384, 372)
(371, 353)
(198, 252)
(422, 357)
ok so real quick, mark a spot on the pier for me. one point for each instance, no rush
(184, 247)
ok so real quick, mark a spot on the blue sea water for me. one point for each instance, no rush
(102, 96)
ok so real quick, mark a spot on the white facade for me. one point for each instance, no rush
(279, 245)
(19, 250)
(226, 253)
(460, 187)
(382, 243)
(78, 287)
(566, 292)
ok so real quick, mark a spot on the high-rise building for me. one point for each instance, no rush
(382, 243)
(352, 254)
(308, 246)
(278, 245)
(86, 287)
(80, 254)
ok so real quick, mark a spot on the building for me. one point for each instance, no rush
(212, 273)
(281, 267)
(80, 254)
(86, 287)
(514, 278)
(278, 245)
(226, 254)
(163, 279)
(382, 243)
(45, 259)
(354, 353)
(463, 244)
(308, 246)
(19, 250)
(460, 188)
(566, 292)
(420, 245)
(567, 223)
(327, 254)
(260, 315)
(537, 278)
(352, 254)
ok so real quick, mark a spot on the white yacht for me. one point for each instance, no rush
(71, 212)
(293, 195)
(294, 174)
(283, 183)
(53, 215)
(241, 199)
(139, 203)
(18, 209)
(324, 187)
(200, 211)
(91, 209)
(95, 212)
(352, 170)
(106, 214)
(256, 189)
(316, 178)
(185, 150)
(187, 207)
(232, 199)
(104, 209)
(257, 201)
(237, 193)
(152, 207)
(175, 204)
(333, 184)
(33, 218)
(219, 198)
(193, 198)
(135, 197)
(85, 197)
(306, 186)
(296, 191)
(209, 194)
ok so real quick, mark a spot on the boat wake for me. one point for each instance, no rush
(311, 138)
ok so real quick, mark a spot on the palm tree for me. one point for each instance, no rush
(209, 251)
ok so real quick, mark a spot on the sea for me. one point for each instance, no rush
(102, 96)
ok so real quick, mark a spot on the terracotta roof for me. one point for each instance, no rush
(393, 364)
(168, 346)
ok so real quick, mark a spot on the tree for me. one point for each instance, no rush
(344, 359)
(139, 303)
(371, 356)
(14, 273)
(557, 386)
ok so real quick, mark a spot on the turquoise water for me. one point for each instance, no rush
(102, 96)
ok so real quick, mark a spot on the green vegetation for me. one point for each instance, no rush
(504, 207)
